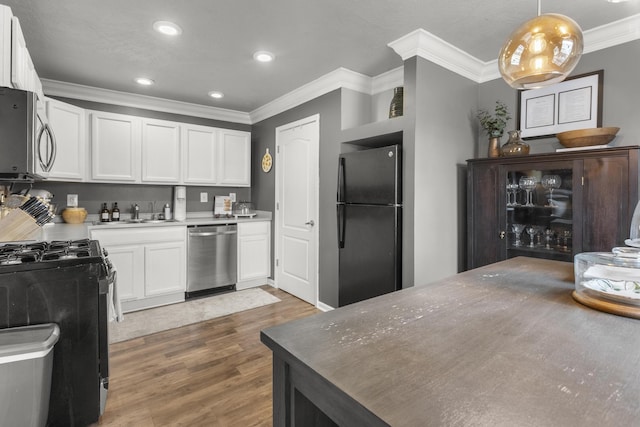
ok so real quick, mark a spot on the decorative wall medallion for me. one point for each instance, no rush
(267, 161)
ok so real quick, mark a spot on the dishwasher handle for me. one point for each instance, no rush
(210, 233)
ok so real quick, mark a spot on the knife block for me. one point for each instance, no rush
(18, 225)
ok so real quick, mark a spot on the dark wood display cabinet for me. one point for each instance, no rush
(551, 205)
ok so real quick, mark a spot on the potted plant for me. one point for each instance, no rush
(494, 126)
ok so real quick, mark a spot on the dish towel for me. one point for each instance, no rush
(115, 309)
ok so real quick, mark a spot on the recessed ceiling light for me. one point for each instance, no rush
(168, 28)
(216, 94)
(144, 81)
(264, 56)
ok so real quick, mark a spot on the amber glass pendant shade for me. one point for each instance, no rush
(541, 52)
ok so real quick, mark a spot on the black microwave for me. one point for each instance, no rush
(27, 143)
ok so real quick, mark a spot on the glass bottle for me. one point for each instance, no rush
(115, 212)
(515, 146)
(395, 109)
(104, 213)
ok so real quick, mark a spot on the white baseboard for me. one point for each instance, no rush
(323, 307)
(253, 283)
(144, 303)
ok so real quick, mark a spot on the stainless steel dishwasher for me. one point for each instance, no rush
(212, 259)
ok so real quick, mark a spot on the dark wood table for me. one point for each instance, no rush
(501, 345)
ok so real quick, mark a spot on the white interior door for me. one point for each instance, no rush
(296, 227)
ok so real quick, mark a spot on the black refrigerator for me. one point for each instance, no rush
(369, 213)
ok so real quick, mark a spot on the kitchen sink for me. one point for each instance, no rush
(136, 221)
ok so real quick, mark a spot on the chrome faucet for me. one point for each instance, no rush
(152, 209)
(136, 212)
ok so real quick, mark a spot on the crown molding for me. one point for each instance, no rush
(417, 43)
(613, 34)
(88, 93)
(425, 45)
(339, 78)
(387, 81)
(432, 48)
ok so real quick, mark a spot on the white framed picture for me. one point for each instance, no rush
(575, 103)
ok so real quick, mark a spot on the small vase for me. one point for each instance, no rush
(494, 147)
(515, 146)
(395, 109)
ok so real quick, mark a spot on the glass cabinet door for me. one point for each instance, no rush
(539, 211)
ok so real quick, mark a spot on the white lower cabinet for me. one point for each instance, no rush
(150, 263)
(163, 270)
(127, 260)
(254, 253)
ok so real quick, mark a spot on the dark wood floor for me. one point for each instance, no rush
(214, 373)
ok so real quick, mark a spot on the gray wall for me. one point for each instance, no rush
(443, 139)
(263, 184)
(620, 104)
(91, 196)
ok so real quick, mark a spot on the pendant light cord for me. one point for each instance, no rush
(539, 7)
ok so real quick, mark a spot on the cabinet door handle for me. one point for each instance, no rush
(502, 235)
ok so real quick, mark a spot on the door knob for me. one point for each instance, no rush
(310, 222)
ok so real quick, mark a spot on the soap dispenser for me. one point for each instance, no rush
(180, 203)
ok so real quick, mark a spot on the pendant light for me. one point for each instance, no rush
(541, 52)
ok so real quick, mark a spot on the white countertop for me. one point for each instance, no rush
(63, 231)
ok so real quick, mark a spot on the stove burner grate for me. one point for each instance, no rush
(30, 252)
(65, 253)
(13, 258)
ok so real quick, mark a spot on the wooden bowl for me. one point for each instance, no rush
(74, 215)
(587, 137)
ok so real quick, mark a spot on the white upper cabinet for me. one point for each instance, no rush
(5, 46)
(141, 150)
(19, 56)
(23, 72)
(214, 156)
(69, 127)
(199, 154)
(115, 147)
(160, 151)
(235, 158)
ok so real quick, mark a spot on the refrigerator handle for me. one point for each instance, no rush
(341, 182)
(341, 223)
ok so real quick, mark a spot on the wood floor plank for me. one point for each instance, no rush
(213, 373)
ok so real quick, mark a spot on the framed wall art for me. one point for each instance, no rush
(575, 103)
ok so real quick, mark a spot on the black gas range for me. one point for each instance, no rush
(22, 256)
(64, 282)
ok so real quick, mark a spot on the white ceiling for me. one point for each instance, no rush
(107, 43)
